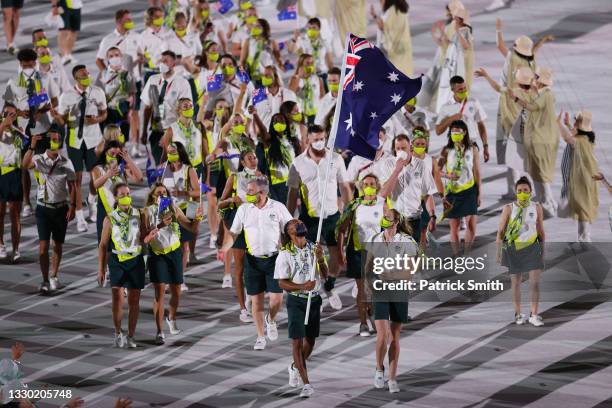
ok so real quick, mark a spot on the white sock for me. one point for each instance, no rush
(91, 198)
(583, 228)
(79, 215)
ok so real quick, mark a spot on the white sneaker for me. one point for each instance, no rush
(174, 330)
(307, 391)
(130, 343)
(119, 340)
(93, 208)
(159, 339)
(519, 318)
(184, 287)
(379, 379)
(334, 300)
(393, 386)
(16, 256)
(213, 242)
(54, 283)
(3, 254)
(260, 344)
(26, 211)
(134, 153)
(44, 288)
(227, 281)
(245, 316)
(364, 330)
(271, 329)
(536, 320)
(81, 225)
(354, 291)
(293, 376)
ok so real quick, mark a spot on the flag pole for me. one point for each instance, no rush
(331, 141)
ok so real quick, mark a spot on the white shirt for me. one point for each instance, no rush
(54, 188)
(95, 104)
(185, 47)
(400, 245)
(271, 106)
(367, 220)
(295, 264)
(357, 166)
(153, 44)
(413, 182)
(262, 226)
(128, 43)
(305, 46)
(306, 171)
(406, 121)
(58, 74)
(324, 106)
(18, 96)
(177, 88)
(472, 114)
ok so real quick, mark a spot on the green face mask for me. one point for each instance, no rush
(279, 127)
(85, 81)
(129, 25)
(173, 157)
(188, 113)
(250, 19)
(213, 56)
(267, 81)
(297, 117)
(205, 14)
(125, 201)
(110, 159)
(246, 5)
(523, 196)
(219, 112)
(369, 191)
(43, 42)
(121, 138)
(54, 146)
(158, 22)
(238, 129)
(229, 70)
(457, 137)
(45, 59)
(312, 33)
(251, 198)
(334, 87)
(180, 33)
(255, 31)
(418, 150)
(309, 69)
(385, 223)
(462, 95)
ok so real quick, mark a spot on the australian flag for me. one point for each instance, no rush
(152, 173)
(259, 95)
(373, 91)
(214, 82)
(290, 13)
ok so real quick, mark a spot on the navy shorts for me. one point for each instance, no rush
(259, 275)
(51, 223)
(166, 268)
(82, 155)
(12, 4)
(71, 17)
(127, 274)
(11, 189)
(296, 313)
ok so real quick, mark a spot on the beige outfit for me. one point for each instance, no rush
(542, 137)
(351, 18)
(583, 197)
(396, 39)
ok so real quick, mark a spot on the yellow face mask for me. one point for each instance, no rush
(419, 150)
(188, 113)
(85, 81)
(205, 13)
(312, 33)
(246, 5)
(238, 129)
(219, 112)
(173, 157)
(297, 117)
(158, 22)
(334, 87)
(267, 81)
(256, 31)
(129, 25)
(309, 69)
(250, 19)
(369, 191)
(54, 146)
(213, 56)
(180, 33)
(125, 201)
(45, 59)
(121, 138)
(43, 42)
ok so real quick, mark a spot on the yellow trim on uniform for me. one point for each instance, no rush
(166, 250)
(104, 199)
(6, 170)
(304, 193)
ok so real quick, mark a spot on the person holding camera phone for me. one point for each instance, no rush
(56, 185)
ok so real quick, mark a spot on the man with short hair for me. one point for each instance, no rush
(465, 107)
(262, 219)
(56, 187)
(82, 108)
(328, 101)
(312, 43)
(33, 95)
(306, 177)
(160, 96)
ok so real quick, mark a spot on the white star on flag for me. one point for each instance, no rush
(349, 122)
(358, 86)
(393, 77)
(395, 98)
(373, 115)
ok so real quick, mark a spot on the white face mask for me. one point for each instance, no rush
(250, 172)
(163, 68)
(115, 61)
(401, 155)
(318, 145)
(28, 72)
